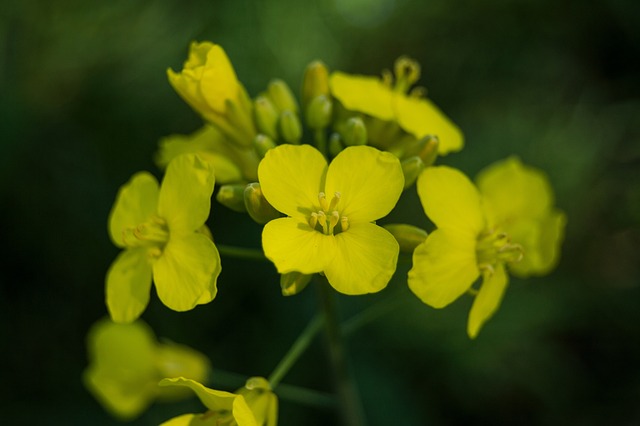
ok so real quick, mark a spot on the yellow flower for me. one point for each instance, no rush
(252, 405)
(472, 237)
(331, 209)
(208, 83)
(160, 230)
(416, 115)
(231, 163)
(126, 364)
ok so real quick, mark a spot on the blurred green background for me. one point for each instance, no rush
(84, 99)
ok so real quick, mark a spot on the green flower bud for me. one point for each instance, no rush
(257, 206)
(262, 144)
(355, 132)
(266, 116)
(293, 283)
(411, 168)
(315, 82)
(232, 196)
(319, 112)
(335, 144)
(290, 127)
(281, 96)
(408, 236)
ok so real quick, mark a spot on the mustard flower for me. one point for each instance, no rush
(330, 211)
(472, 238)
(126, 363)
(252, 405)
(161, 232)
(414, 113)
(208, 83)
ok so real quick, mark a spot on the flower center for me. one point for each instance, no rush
(494, 247)
(154, 234)
(328, 220)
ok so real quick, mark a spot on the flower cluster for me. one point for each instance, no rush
(317, 174)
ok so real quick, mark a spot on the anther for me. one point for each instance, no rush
(313, 220)
(323, 201)
(344, 223)
(333, 221)
(334, 201)
(322, 219)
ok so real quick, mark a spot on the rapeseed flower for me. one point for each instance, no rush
(162, 231)
(330, 211)
(473, 237)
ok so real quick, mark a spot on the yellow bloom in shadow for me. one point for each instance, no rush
(330, 211)
(252, 405)
(474, 235)
(160, 230)
(126, 364)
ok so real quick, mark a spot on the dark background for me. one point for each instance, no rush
(84, 99)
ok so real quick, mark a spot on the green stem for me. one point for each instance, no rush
(241, 252)
(351, 408)
(296, 350)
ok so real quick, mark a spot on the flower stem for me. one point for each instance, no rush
(351, 407)
(241, 252)
(297, 349)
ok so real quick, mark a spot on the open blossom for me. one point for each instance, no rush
(330, 211)
(479, 234)
(160, 230)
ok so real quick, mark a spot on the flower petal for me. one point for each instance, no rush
(186, 420)
(186, 273)
(370, 183)
(450, 200)
(128, 284)
(444, 267)
(135, 202)
(421, 117)
(219, 82)
(291, 177)
(365, 261)
(292, 245)
(185, 194)
(363, 94)
(488, 299)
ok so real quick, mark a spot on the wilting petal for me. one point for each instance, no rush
(292, 245)
(365, 260)
(450, 200)
(128, 284)
(136, 201)
(187, 270)
(421, 117)
(185, 194)
(363, 94)
(291, 177)
(488, 299)
(370, 183)
(444, 267)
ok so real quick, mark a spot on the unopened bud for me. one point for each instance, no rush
(355, 132)
(290, 127)
(425, 148)
(408, 236)
(257, 206)
(266, 116)
(293, 283)
(411, 168)
(319, 112)
(281, 96)
(262, 144)
(335, 144)
(315, 82)
(232, 196)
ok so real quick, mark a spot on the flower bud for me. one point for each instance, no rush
(411, 168)
(293, 283)
(319, 112)
(281, 96)
(425, 148)
(355, 132)
(257, 206)
(315, 82)
(262, 144)
(335, 144)
(290, 127)
(266, 116)
(408, 236)
(232, 196)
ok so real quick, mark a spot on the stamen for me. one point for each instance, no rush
(323, 201)
(333, 221)
(334, 201)
(344, 223)
(322, 219)
(313, 220)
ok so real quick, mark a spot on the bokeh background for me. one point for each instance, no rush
(84, 99)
